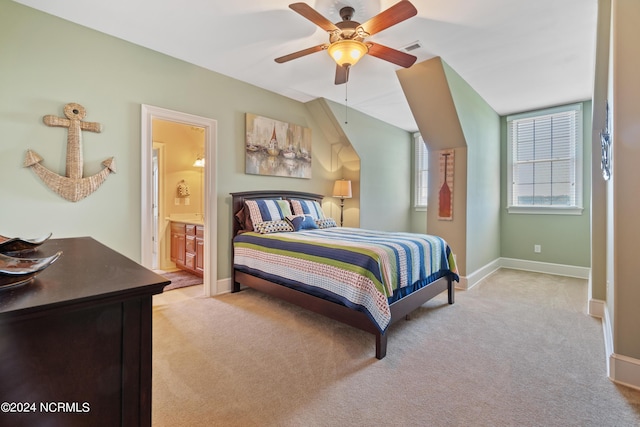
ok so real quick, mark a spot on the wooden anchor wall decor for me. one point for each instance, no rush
(73, 186)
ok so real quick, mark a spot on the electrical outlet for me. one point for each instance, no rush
(537, 249)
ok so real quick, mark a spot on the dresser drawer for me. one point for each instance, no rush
(177, 227)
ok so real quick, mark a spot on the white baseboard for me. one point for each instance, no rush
(607, 331)
(546, 267)
(621, 369)
(477, 276)
(624, 370)
(470, 280)
(596, 308)
(463, 284)
(224, 286)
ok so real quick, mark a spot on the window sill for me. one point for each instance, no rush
(543, 210)
(420, 208)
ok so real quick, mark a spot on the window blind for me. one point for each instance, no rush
(422, 173)
(544, 159)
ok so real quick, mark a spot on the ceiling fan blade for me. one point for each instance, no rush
(313, 16)
(301, 53)
(342, 74)
(392, 55)
(392, 16)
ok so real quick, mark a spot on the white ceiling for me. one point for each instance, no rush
(517, 54)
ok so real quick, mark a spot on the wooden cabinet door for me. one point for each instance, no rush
(177, 248)
(174, 247)
(190, 254)
(190, 244)
(200, 255)
(190, 261)
(177, 243)
(178, 240)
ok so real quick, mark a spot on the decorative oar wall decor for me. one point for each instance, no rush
(73, 186)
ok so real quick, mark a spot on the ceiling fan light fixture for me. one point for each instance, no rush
(347, 52)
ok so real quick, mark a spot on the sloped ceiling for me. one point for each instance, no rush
(517, 54)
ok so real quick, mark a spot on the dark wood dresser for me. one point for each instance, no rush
(75, 344)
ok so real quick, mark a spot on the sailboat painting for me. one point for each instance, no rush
(277, 148)
(445, 192)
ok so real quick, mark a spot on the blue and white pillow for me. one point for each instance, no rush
(262, 210)
(278, 226)
(307, 207)
(301, 222)
(326, 223)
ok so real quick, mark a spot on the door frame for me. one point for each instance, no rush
(157, 183)
(148, 113)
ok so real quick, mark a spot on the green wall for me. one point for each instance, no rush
(427, 90)
(481, 127)
(385, 172)
(452, 115)
(47, 62)
(564, 238)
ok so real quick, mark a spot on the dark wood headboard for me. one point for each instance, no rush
(238, 200)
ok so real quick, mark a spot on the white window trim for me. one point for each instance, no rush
(548, 210)
(417, 139)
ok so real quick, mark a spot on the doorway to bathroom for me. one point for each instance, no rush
(178, 191)
(178, 196)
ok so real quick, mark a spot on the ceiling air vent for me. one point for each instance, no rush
(413, 46)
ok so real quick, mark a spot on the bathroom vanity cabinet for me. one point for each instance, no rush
(187, 246)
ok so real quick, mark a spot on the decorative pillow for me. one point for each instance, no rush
(301, 222)
(278, 226)
(244, 219)
(267, 210)
(307, 207)
(326, 223)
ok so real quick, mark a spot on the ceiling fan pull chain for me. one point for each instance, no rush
(346, 102)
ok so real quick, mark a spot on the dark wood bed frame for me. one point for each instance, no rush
(399, 309)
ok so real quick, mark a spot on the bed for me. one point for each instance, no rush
(364, 278)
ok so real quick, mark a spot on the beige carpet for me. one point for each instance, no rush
(516, 350)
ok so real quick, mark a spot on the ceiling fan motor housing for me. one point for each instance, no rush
(349, 30)
(346, 13)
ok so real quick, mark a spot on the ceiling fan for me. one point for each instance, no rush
(347, 38)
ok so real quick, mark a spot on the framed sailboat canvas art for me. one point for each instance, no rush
(277, 148)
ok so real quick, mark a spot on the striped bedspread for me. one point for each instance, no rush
(362, 269)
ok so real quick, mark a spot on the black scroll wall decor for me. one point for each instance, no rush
(605, 143)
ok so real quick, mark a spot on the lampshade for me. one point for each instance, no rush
(342, 189)
(199, 163)
(347, 52)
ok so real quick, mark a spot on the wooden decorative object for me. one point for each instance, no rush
(445, 196)
(72, 186)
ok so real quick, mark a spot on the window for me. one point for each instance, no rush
(545, 161)
(421, 173)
